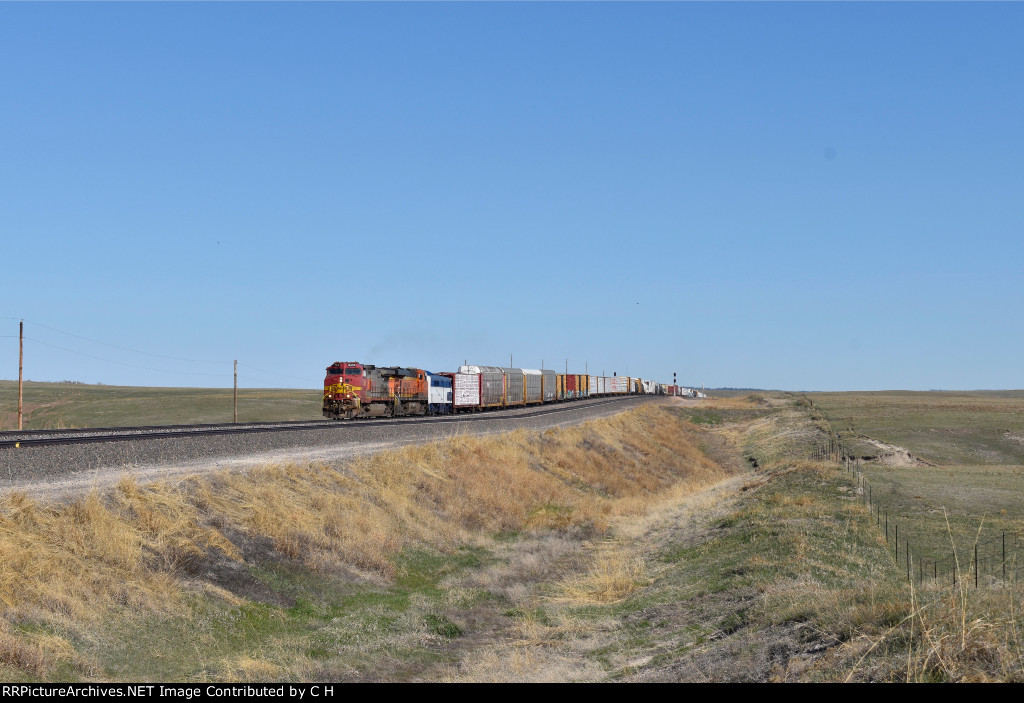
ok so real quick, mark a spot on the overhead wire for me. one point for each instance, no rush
(274, 373)
(125, 363)
(264, 380)
(127, 349)
(152, 354)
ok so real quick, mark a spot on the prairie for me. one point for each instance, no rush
(963, 480)
(73, 405)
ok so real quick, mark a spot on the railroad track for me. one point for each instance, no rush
(45, 438)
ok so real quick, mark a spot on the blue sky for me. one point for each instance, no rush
(785, 195)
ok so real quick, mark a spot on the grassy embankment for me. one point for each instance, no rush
(72, 405)
(301, 572)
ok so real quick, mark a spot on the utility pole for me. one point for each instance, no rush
(236, 391)
(21, 360)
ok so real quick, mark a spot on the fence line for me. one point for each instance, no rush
(992, 562)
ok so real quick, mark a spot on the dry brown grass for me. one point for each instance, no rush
(135, 547)
(613, 575)
(447, 493)
(740, 402)
(954, 635)
(69, 564)
(80, 558)
(959, 634)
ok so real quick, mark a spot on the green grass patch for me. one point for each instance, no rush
(796, 556)
(441, 625)
(331, 629)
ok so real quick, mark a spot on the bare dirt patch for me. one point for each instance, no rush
(893, 455)
(1015, 437)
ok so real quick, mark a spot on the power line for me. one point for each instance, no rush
(125, 363)
(265, 380)
(148, 368)
(115, 346)
(276, 373)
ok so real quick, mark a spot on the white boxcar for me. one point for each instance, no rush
(618, 384)
(492, 384)
(466, 390)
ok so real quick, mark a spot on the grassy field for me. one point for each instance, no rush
(948, 428)
(970, 485)
(72, 405)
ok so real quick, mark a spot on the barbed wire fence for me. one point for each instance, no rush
(995, 561)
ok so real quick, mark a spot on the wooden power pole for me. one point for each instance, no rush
(21, 361)
(236, 391)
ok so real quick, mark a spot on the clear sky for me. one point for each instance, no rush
(784, 195)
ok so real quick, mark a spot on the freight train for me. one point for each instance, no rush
(353, 390)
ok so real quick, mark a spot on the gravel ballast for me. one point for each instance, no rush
(55, 471)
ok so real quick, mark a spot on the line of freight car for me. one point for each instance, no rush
(481, 387)
(352, 389)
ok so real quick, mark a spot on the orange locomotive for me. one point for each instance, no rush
(355, 390)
